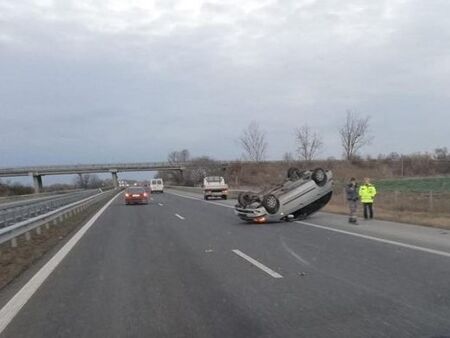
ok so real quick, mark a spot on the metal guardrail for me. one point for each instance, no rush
(37, 199)
(17, 212)
(54, 217)
(13, 198)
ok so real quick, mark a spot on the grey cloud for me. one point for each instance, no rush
(81, 81)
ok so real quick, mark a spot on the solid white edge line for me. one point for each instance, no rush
(257, 264)
(179, 216)
(15, 304)
(387, 241)
(377, 239)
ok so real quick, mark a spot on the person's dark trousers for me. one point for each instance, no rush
(368, 210)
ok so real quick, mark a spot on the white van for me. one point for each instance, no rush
(157, 185)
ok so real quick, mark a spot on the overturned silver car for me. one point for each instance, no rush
(302, 193)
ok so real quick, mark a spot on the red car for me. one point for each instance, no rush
(136, 195)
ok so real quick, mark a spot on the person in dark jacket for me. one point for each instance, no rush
(352, 199)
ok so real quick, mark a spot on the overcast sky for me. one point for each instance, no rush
(115, 81)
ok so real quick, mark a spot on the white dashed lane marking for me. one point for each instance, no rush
(257, 264)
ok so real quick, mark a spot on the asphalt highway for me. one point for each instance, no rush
(184, 267)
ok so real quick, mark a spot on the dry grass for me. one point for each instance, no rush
(432, 219)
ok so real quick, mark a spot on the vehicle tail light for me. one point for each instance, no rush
(127, 195)
(260, 220)
(145, 194)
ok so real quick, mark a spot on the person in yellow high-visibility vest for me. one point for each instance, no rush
(367, 193)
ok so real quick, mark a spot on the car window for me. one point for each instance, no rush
(213, 179)
(135, 190)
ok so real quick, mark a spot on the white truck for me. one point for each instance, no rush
(214, 186)
(157, 185)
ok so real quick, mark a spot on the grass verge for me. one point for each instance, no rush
(438, 220)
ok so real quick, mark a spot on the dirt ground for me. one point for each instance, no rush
(13, 261)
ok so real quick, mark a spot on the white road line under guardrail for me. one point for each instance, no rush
(15, 304)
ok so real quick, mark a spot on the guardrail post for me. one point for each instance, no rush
(14, 242)
(38, 230)
(47, 226)
(27, 236)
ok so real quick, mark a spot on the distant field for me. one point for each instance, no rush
(435, 184)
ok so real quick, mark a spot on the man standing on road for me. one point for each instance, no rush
(352, 198)
(367, 193)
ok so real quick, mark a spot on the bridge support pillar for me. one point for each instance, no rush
(37, 183)
(115, 179)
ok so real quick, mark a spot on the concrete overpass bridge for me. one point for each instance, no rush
(36, 172)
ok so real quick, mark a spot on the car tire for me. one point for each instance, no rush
(294, 174)
(224, 197)
(244, 198)
(319, 176)
(206, 198)
(271, 203)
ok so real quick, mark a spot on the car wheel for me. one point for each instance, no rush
(294, 174)
(206, 198)
(245, 198)
(271, 203)
(224, 197)
(319, 176)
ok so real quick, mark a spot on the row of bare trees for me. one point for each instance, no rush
(354, 135)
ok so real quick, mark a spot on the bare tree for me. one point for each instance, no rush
(354, 134)
(94, 182)
(309, 143)
(178, 156)
(441, 153)
(82, 181)
(253, 143)
(287, 157)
